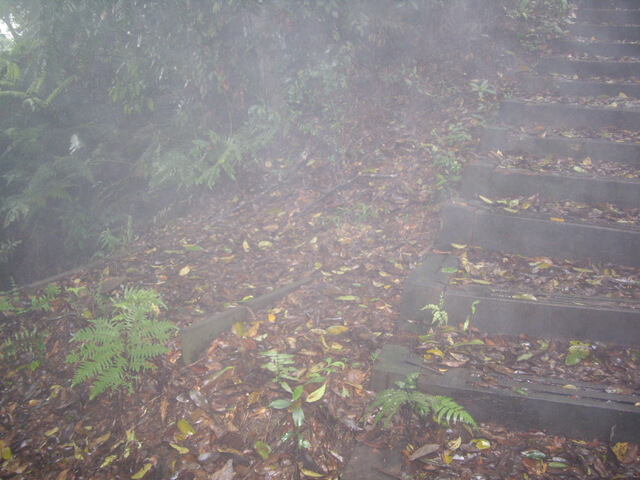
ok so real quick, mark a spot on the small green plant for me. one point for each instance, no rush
(406, 396)
(113, 243)
(440, 315)
(24, 343)
(280, 364)
(483, 88)
(112, 351)
(43, 302)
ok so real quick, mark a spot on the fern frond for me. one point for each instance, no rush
(448, 411)
(389, 401)
(112, 378)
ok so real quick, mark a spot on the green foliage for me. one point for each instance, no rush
(389, 402)
(43, 302)
(112, 351)
(281, 365)
(440, 315)
(22, 342)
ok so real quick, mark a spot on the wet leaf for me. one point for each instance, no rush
(336, 329)
(424, 450)
(185, 427)
(481, 443)
(181, 450)
(262, 449)
(317, 394)
(142, 472)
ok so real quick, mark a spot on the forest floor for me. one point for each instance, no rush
(363, 221)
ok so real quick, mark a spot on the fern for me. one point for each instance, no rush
(390, 401)
(112, 351)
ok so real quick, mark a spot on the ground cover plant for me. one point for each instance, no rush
(357, 205)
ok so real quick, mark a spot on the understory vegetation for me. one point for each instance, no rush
(117, 116)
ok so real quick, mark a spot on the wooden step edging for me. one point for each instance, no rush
(611, 4)
(511, 313)
(605, 32)
(472, 223)
(506, 140)
(617, 17)
(521, 402)
(522, 113)
(605, 49)
(576, 88)
(487, 179)
(588, 68)
(197, 337)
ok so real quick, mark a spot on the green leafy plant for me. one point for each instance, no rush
(280, 364)
(43, 302)
(112, 351)
(25, 343)
(390, 401)
(577, 352)
(440, 315)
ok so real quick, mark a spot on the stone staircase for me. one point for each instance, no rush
(579, 110)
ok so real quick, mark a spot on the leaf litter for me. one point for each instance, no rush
(211, 419)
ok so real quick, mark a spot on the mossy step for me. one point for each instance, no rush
(485, 178)
(575, 88)
(605, 49)
(605, 32)
(504, 312)
(474, 224)
(616, 17)
(522, 113)
(520, 402)
(588, 68)
(508, 140)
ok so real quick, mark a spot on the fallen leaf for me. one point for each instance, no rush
(424, 450)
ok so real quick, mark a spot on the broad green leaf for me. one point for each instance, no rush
(448, 270)
(558, 465)
(534, 454)
(296, 393)
(108, 461)
(316, 394)
(280, 403)
(298, 417)
(347, 298)
(193, 248)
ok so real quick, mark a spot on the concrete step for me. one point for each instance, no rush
(576, 88)
(487, 179)
(605, 49)
(475, 224)
(588, 68)
(510, 312)
(605, 32)
(519, 402)
(611, 4)
(521, 113)
(614, 17)
(508, 140)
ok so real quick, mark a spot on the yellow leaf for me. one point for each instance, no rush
(181, 450)
(310, 473)
(271, 317)
(480, 281)
(481, 443)
(142, 472)
(620, 449)
(238, 327)
(347, 298)
(6, 453)
(264, 244)
(245, 246)
(454, 444)
(458, 246)
(108, 461)
(52, 431)
(185, 427)
(570, 387)
(485, 199)
(622, 95)
(556, 219)
(587, 162)
(447, 458)
(524, 296)
(336, 329)
(317, 394)
(185, 271)
(435, 351)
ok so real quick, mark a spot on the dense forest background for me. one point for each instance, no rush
(116, 116)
